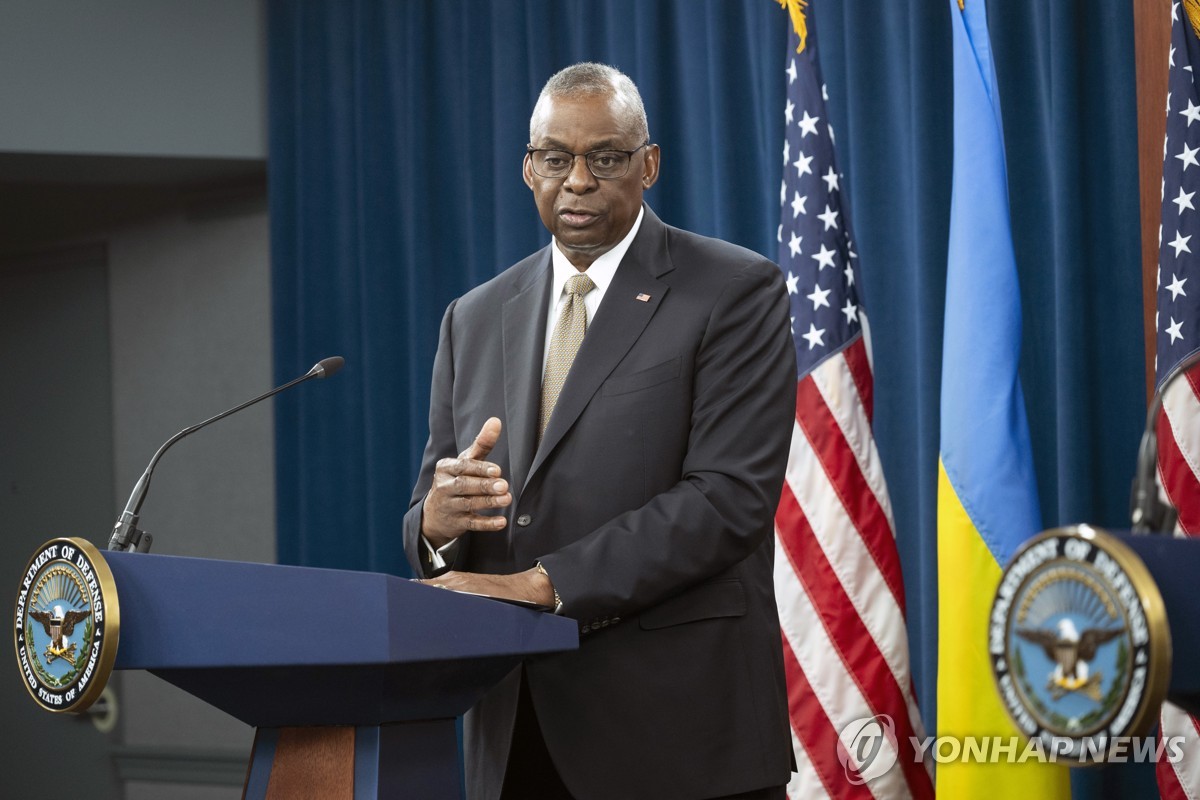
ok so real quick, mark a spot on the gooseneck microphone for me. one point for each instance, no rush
(126, 535)
(1148, 513)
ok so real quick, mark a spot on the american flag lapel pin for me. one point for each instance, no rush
(645, 298)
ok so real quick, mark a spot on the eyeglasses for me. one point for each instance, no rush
(604, 164)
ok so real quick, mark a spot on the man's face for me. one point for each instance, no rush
(588, 215)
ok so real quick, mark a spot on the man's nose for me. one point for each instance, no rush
(579, 177)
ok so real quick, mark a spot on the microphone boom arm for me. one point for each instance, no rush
(126, 535)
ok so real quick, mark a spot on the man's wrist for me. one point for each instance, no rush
(557, 600)
(434, 541)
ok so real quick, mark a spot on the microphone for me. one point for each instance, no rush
(126, 535)
(1148, 513)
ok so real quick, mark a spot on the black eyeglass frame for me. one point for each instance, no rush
(587, 159)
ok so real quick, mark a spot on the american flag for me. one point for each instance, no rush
(1177, 323)
(837, 572)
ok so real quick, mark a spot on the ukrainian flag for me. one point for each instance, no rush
(987, 495)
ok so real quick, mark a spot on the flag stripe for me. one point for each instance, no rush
(829, 533)
(842, 395)
(1178, 781)
(815, 732)
(860, 368)
(826, 523)
(836, 458)
(815, 674)
(1179, 452)
(857, 647)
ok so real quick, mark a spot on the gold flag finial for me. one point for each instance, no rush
(1192, 7)
(796, 10)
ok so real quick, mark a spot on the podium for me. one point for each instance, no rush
(352, 679)
(1174, 563)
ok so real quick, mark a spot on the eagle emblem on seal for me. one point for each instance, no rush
(1070, 650)
(59, 625)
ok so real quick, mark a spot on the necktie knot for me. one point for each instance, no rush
(579, 284)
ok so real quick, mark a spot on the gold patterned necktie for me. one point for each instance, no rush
(564, 344)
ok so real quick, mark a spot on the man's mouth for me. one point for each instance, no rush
(577, 218)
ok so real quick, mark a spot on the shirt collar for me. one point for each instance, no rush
(602, 269)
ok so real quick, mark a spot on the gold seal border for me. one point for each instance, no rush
(112, 625)
(1158, 670)
(1158, 666)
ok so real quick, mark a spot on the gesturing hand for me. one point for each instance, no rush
(464, 486)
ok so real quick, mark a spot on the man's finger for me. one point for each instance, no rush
(489, 434)
(462, 485)
(469, 504)
(466, 466)
(479, 522)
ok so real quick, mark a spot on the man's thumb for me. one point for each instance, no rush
(489, 434)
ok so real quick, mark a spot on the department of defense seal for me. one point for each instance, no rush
(67, 626)
(1078, 642)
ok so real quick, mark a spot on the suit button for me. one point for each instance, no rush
(604, 624)
(524, 520)
(585, 629)
(615, 620)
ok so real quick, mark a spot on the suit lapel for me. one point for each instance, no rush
(619, 323)
(524, 343)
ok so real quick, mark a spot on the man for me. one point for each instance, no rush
(630, 485)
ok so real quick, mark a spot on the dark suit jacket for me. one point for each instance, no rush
(650, 504)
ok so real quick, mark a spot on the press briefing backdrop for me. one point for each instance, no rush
(396, 136)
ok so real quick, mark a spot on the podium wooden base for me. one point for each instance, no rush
(416, 760)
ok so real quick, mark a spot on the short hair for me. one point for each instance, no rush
(589, 78)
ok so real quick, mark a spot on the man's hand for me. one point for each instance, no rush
(530, 585)
(464, 486)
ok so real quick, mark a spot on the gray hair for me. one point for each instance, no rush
(589, 78)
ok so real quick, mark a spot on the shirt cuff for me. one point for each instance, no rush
(440, 556)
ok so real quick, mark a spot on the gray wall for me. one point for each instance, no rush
(133, 77)
(190, 336)
(112, 347)
(133, 140)
(55, 477)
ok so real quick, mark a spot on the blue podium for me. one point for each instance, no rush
(353, 680)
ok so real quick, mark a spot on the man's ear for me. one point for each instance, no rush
(650, 166)
(527, 171)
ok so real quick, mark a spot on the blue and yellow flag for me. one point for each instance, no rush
(987, 495)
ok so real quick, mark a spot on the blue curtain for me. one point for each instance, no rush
(396, 135)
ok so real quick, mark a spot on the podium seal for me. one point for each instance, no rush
(67, 625)
(1079, 643)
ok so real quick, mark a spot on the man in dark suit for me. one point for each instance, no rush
(621, 404)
